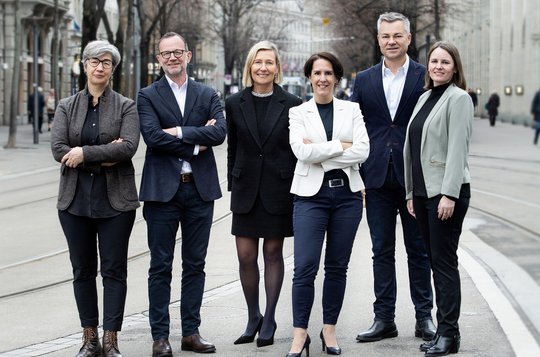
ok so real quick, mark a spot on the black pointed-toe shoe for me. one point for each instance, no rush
(378, 331)
(425, 329)
(444, 346)
(261, 342)
(329, 350)
(245, 338)
(305, 347)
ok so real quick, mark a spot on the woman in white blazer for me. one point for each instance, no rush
(330, 141)
(437, 182)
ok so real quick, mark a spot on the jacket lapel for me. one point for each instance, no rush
(314, 121)
(191, 98)
(378, 88)
(165, 92)
(275, 108)
(413, 76)
(250, 118)
(338, 115)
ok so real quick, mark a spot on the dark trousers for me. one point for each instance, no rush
(441, 239)
(537, 132)
(382, 207)
(492, 119)
(336, 212)
(194, 215)
(112, 241)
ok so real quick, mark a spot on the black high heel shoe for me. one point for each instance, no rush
(249, 338)
(444, 345)
(329, 350)
(305, 347)
(261, 342)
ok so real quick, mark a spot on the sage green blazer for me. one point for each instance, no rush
(445, 144)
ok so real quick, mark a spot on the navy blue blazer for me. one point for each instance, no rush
(385, 136)
(158, 109)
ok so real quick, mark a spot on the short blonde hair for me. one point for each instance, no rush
(247, 81)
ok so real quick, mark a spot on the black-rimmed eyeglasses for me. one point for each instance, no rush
(106, 63)
(176, 53)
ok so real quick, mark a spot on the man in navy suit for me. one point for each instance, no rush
(387, 94)
(180, 122)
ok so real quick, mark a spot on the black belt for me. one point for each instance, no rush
(186, 178)
(334, 183)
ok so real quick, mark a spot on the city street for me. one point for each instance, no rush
(499, 256)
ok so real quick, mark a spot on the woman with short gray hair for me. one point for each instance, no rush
(94, 136)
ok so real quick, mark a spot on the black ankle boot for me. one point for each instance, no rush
(444, 346)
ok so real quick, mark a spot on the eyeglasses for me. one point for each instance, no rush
(167, 54)
(106, 63)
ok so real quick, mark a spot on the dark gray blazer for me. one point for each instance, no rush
(117, 119)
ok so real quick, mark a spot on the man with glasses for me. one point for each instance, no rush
(181, 120)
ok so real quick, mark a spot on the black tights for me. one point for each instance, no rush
(248, 251)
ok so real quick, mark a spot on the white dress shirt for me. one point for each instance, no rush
(180, 95)
(393, 85)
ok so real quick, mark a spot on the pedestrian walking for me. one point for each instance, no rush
(535, 111)
(95, 135)
(329, 138)
(50, 105)
(181, 120)
(492, 107)
(387, 94)
(260, 167)
(437, 181)
(40, 108)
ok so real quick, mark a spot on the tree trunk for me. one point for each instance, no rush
(14, 106)
(55, 82)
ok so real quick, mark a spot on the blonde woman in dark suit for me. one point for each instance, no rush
(437, 182)
(94, 136)
(260, 166)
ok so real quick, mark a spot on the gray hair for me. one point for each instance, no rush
(394, 16)
(95, 49)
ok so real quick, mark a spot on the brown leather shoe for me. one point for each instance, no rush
(161, 348)
(197, 344)
(110, 344)
(91, 346)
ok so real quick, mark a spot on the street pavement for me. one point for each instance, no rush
(46, 322)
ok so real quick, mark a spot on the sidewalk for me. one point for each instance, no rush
(224, 312)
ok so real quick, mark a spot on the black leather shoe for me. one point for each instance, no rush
(197, 344)
(425, 329)
(427, 345)
(444, 346)
(245, 338)
(305, 347)
(161, 348)
(378, 331)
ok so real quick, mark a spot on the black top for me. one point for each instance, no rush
(91, 199)
(261, 108)
(415, 139)
(326, 111)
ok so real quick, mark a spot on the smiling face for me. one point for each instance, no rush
(174, 67)
(441, 67)
(323, 80)
(393, 40)
(99, 76)
(263, 71)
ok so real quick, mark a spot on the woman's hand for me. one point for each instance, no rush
(445, 210)
(74, 157)
(346, 144)
(410, 208)
(109, 164)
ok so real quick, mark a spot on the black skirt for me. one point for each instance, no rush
(258, 223)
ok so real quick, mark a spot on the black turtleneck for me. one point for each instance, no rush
(415, 139)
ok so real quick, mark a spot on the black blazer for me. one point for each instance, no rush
(260, 164)
(158, 109)
(385, 136)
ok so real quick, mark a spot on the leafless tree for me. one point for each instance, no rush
(14, 103)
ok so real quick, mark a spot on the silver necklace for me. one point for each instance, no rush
(262, 95)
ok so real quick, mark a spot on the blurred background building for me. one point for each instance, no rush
(41, 42)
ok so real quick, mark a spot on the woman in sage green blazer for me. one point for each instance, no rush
(437, 182)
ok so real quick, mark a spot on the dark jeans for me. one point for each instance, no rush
(112, 241)
(382, 207)
(442, 238)
(336, 212)
(194, 215)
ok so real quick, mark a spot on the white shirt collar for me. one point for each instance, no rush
(386, 71)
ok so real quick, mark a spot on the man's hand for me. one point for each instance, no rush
(173, 131)
(74, 157)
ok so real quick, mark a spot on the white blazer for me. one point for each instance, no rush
(320, 156)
